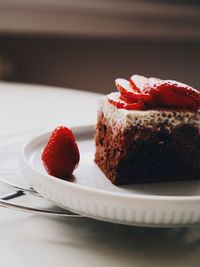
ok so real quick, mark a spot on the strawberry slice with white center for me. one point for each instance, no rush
(114, 99)
(138, 83)
(174, 94)
(153, 80)
(130, 94)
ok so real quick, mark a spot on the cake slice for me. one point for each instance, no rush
(154, 140)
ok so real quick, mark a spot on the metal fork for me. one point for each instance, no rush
(21, 191)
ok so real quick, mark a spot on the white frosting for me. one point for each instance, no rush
(125, 118)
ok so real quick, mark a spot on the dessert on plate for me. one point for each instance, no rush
(149, 131)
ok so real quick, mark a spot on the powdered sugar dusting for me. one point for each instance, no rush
(125, 118)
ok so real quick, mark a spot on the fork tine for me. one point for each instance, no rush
(6, 204)
(19, 188)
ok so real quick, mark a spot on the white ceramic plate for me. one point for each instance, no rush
(92, 194)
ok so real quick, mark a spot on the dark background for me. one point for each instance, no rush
(93, 65)
(86, 44)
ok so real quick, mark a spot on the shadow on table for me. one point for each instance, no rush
(122, 245)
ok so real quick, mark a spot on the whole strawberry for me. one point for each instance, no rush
(61, 154)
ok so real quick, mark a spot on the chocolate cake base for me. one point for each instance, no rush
(147, 154)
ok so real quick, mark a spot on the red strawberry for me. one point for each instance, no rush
(61, 154)
(138, 83)
(173, 94)
(129, 93)
(116, 100)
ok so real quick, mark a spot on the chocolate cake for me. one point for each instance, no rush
(149, 145)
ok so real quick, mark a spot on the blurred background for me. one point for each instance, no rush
(86, 44)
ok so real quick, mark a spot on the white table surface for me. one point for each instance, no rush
(32, 240)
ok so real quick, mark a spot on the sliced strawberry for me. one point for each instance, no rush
(153, 80)
(129, 93)
(119, 102)
(138, 83)
(61, 154)
(174, 94)
(151, 92)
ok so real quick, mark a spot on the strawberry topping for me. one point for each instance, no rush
(146, 93)
(61, 154)
(120, 102)
(174, 94)
(138, 83)
(130, 93)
